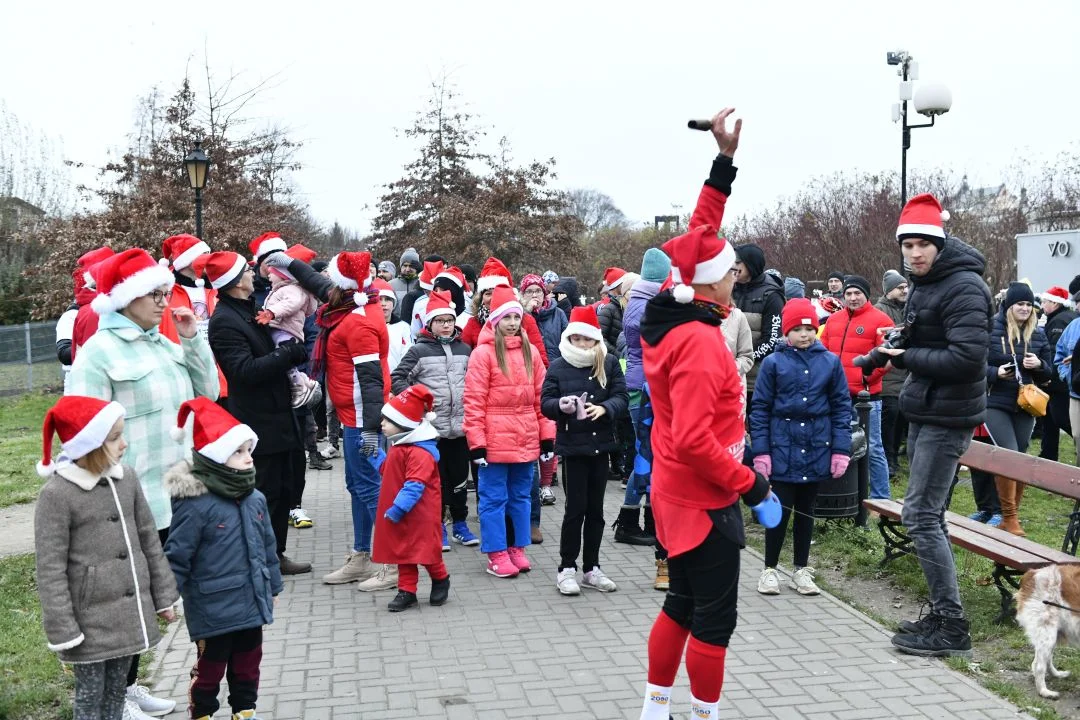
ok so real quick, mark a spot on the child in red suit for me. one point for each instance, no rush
(408, 525)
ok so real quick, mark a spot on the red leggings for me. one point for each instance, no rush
(409, 575)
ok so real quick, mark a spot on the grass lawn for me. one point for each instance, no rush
(20, 447)
(1002, 656)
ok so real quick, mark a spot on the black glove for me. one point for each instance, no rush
(758, 492)
(547, 446)
(297, 352)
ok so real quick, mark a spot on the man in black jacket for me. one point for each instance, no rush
(948, 320)
(259, 395)
(1060, 311)
(760, 296)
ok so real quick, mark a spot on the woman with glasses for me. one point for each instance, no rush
(128, 360)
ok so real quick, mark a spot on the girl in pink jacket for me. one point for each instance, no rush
(285, 310)
(506, 431)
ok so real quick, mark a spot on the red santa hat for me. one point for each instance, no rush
(384, 289)
(181, 250)
(265, 244)
(493, 275)
(439, 303)
(503, 302)
(83, 424)
(583, 322)
(90, 259)
(429, 273)
(297, 252)
(350, 270)
(923, 217)
(222, 269)
(798, 311)
(613, 277)
(216, 433)
(411, 407)
(1058, 295)
(126, 276)
(699, 257)
(453, 274)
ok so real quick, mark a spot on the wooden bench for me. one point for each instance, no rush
(1012, 556)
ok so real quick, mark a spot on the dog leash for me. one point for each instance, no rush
(1059, 605)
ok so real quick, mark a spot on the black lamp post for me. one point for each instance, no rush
(197, 164)
(931, 100)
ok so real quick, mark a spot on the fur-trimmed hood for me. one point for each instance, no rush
(181, 483)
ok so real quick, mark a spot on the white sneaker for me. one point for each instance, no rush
(329, 452)
(147, 703)
(385, 579)
(769, 582)
(299, 519)
(567, 582)
(546, 496)
(597, 580)
(132, 711)
(802, 582)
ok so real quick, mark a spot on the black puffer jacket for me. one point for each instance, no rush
(949, 311)
(568, 286)
(1056, 322)
(1003, 392)
(584, 437)
(610, 317)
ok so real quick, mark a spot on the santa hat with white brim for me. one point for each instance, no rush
(583, 322)
(439, 303)
(125, 277)
(494, 274)
(350, 270)
(503, 302)
(215, 433)
(83, 424)
(265, 244)
(181, 250)
(700, 257)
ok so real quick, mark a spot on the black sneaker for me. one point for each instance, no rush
(950, 638)
(402, 601)
(440, 591)
(923, 625)
(317, 462)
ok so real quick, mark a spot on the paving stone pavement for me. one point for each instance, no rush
(517, 649)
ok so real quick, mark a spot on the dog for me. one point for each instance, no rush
(1047, 625)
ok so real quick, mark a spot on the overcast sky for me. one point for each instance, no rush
(604, 87)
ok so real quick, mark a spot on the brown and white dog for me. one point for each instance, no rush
(1047, 625)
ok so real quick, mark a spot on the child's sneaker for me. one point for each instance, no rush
(546, 496)
(463, 535)
(499, 565)
(802, 582)
(329, 451)
(517, 556)
(299, 519)
(445, 539)
(597, 580)
(402, 601)
(566, 581)
(132, 711)
(147, 703)
(245, 715)
(769, 582)
(306, 392)
(385, 579)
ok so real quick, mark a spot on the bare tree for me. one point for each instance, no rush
(594, 209)
(32, 167)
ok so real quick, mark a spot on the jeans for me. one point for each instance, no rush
(502, 491)
(1010, 430)
(891, 428)
(933, 456)
(534, 498)
(633, 496)
(362, 481)
(879, 468)
(99, 689)
(586, 481)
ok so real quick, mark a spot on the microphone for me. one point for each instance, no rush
(705, 125)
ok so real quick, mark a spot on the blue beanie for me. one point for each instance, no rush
(794, 288)
(655, 266)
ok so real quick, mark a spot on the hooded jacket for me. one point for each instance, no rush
(762, 302)
(568, 286)
(1003, 391)
(441, 368)
(950, 317)
(223, 554)
(640, 294)
(552, 321)
(1056, 323)
(610, 317)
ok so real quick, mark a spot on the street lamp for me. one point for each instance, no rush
(197, 164)
(929, 100)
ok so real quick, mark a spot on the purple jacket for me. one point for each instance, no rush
(641, 293)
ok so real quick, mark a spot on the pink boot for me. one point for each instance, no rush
(500, 565)
(517, 556)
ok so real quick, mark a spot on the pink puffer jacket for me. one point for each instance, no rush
(502, 414)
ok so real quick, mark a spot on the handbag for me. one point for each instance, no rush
(1029, 397)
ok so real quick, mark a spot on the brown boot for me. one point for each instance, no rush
(1006, 490)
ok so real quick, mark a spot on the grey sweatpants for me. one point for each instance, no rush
(933, 455)
(99, 689)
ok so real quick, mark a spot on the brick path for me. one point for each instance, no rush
(517, 649)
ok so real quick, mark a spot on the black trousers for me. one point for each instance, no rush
(279, 476)
(622, 460)
(585, 478)
(235, 656)
(704, 590)
(797, 497)
(319, 413)
(1055, 420)
(454, 475)
(893, 428)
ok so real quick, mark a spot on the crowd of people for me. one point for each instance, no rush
(219, 379)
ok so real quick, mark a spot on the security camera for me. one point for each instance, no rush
(896, 58)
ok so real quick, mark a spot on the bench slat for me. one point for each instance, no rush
(1055, 477)
(1022, 543)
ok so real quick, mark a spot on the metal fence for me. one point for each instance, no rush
(28, 358)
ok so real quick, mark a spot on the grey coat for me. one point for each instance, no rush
(440, 368)
(101, 573)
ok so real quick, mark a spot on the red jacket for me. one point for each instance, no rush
(180, 298)
(357, 373)
(86, 324)
(470, 334)
(850, 334)
(417, 539)
(502, 414)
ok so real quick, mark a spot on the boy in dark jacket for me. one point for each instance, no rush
(222, 550)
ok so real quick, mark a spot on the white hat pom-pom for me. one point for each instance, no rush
(164, 262)
(683, 293)
(177, 434)
(429, 416)
(199, 282)
(44, 470)
(945, 215)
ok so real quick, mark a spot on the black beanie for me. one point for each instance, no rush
(835, 274)
(859, 283)
(753, 257)
(1074, 286)
(1017, 292)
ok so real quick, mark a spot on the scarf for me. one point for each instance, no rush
(581, 358)
(221, 480)
(663, 313)
(327, 318)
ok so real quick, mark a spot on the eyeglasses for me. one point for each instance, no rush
(534, 291)
(443, 321)
(161, 297)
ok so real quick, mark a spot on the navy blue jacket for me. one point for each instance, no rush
(552, 321)
(1003, 393)
(224, 556)
(801, 413)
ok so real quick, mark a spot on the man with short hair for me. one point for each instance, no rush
(835, 284)
(1060, 310)
(408, 278)
(760, 296)
(949, 316)
(893, 427)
